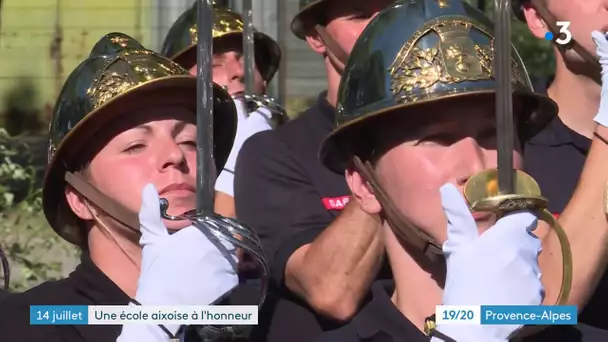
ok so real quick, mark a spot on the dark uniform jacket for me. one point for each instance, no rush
(285, 193)
(87, 285)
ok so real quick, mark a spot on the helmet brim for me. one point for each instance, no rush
(337, 148)
(268, 53)
(299, 24)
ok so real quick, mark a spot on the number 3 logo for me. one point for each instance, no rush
(563, 30)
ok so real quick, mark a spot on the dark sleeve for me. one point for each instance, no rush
(274, 196)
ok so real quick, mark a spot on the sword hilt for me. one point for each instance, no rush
(241, 236)
(481, 191)
(254, 102)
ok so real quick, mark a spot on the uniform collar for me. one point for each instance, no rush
(92, 283)
(380, 320)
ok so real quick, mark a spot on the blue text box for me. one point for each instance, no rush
(59, 315)
(529, 314)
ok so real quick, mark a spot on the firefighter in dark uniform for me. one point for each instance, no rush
(324, 252)
(229, 72)
(124, 118)
(555, 156)
(254, 115)
(227, 31)
(416, 120)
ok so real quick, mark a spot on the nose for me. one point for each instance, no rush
(172, 156)
(236, 69)
(470, 161)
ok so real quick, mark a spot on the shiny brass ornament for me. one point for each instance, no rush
(481, 191)
(253, 102)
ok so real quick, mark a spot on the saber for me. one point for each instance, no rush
(507, 190)
(248, 48)
(504, 96)
(205, 165)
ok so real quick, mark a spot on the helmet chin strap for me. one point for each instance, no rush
(109, 232)
(408, 234)
(114, 209)
(122, 217)
(573, 45)
(331, 44)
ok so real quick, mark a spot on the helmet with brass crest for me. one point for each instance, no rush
(119, 77)
(444, 50)
(180, 42)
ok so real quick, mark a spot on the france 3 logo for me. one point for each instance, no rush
(564, 37)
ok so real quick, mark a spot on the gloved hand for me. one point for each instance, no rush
(184, 268)
(499, 267)
(257, 121)
(602, 51)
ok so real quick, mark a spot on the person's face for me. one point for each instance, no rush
(155, 146)
(584, 16)
(229, 67)
(445, 143)
(345, 23)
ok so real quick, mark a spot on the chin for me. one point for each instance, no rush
(176, 225)
(484, 224)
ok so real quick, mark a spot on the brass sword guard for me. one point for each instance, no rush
(278, 113)
(481, 192)
(240, 236)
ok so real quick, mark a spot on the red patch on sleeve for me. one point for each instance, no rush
(335, 203)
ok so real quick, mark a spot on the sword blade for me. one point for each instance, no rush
(504, 96)
(205, 165)
(248, 48)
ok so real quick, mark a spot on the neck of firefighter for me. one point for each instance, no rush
(417, 291)
(577, 95)
(334, 70)
(117, 255)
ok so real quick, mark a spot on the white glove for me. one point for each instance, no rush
(499, 267)
(602, 52)
(258, 121)
(188, 267)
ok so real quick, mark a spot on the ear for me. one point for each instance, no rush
(77, 203)
(316, 44)
(535, 22)
(362, 192)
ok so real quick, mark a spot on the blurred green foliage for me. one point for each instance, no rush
(34, 251)
(537, 54)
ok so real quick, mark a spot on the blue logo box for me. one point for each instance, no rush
(59, 315)
(529, 314)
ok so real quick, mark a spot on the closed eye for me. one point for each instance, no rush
(135, 148)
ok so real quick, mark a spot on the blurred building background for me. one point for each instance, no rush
(42, 41)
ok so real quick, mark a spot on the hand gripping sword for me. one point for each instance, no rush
(505, 190)
(203, 217)
(252, 100)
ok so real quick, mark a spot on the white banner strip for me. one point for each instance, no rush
(187, 315)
